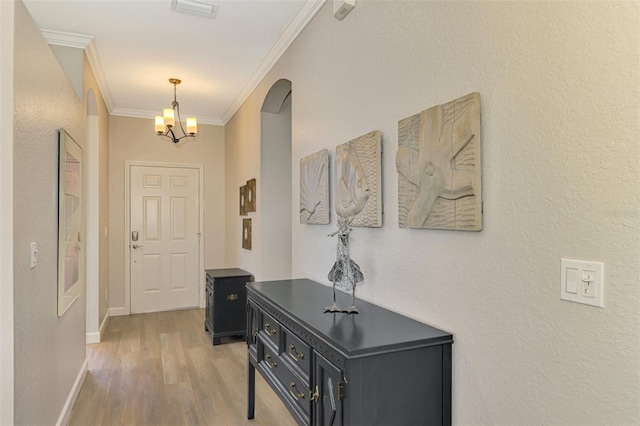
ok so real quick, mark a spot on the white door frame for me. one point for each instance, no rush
(127, 227)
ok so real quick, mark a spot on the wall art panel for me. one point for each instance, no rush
(358, 180)
(439, 167)
(314, 188)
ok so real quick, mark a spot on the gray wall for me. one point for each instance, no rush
(51, 350)
(274, 216)
(561, 154)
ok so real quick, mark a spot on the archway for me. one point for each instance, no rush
(275, 186)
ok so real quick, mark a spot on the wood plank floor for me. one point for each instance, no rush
(161, 369)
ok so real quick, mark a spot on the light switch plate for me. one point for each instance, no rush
(582, 282)
(34, 254)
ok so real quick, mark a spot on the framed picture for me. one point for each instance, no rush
(243, 201)
(246, 234)
(250, 195)
(70, 220)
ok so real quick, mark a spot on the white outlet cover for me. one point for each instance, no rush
(582, 282)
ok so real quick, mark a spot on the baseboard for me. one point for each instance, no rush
(116, 312)
(93, 338)
(105, 320)
(96, 337)
(75, 390)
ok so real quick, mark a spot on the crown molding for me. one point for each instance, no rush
(87, 43)
(96, 66)
(304, 16)
(79, 41)
(140, 113)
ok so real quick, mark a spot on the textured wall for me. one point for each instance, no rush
(242, 160)
(90, 83)
(50, 351)
(275, 205)
(134, 139)
(560, 130)
(6, 212)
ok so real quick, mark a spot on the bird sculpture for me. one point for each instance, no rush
(352, 195)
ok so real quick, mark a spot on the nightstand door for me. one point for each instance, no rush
(328, 393)
(208, 316)
(229, 304)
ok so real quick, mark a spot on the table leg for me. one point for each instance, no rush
(251, 390)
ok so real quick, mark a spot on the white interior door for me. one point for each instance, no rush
(164, 238)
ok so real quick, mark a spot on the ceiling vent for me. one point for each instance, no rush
(203, 8)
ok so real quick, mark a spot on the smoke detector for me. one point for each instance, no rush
(204, 8)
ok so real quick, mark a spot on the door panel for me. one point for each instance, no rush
(330, 388)
(165, 259)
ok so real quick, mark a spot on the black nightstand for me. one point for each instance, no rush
(226, 313)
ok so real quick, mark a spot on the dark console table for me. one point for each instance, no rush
(226, 298)
(374, 368)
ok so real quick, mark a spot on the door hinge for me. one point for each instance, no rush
(340, 391)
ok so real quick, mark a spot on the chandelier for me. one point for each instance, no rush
(165, 124)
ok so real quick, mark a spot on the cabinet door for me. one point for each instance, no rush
(229, 300)
(208, 316)
(329, 393)
(252, 320)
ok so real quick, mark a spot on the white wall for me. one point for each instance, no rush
(242, 161)
(98, 218)
(71, 60)
(50, 350)
(560, 131)
(134, 139)
(6, 213)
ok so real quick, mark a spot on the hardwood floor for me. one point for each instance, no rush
(161, 369)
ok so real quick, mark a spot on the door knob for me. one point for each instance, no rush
(136, 246)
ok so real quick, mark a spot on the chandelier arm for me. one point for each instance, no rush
(177, 108)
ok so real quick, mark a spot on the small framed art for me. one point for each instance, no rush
(246, 234)
(243, 200)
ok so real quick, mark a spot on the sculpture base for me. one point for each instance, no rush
(334, 309)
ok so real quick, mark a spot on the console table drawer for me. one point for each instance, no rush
(295, 390)
(271, 328)
(271, 360)
(297, 353)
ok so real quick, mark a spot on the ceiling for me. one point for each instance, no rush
(134, 47)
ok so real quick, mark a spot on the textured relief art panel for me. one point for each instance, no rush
(314, 188)
(358, 180)
(439, 167)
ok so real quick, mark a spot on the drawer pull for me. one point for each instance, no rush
(232, 297)
(315, 395)
(292, 351)
(296, 396)
(271, 332)
(271, 364)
